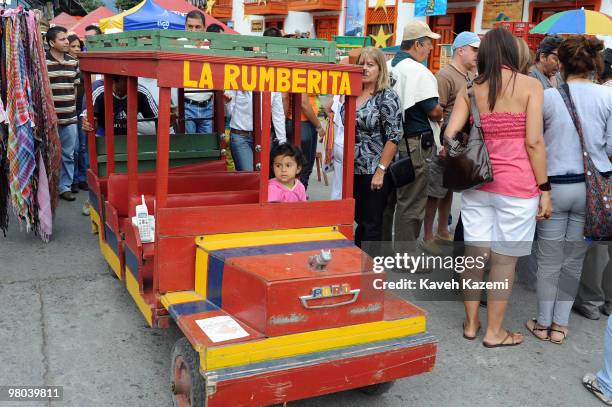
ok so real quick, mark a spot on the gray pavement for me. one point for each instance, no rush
(66, 321)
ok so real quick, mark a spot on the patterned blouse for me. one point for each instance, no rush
(369, 142)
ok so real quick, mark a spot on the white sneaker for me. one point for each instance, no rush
(590, 383)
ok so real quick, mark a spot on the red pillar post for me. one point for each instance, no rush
(349, 146)
(163, 145)
(109, 122)
(91, 135)
(132, 135)
(265, 146)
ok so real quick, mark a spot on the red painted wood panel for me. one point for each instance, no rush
(168, 67)
(276, 282)
(253, 217)
(324, 378)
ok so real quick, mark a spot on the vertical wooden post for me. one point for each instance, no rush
(109, 123)
(132, 136)
(296, 118)
(181, 110)
(219, 119)
(219, 112)
(349, 146)
(163, 145)
(265, 146)
(256, 129)
(91, 135)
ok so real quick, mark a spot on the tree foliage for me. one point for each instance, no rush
(91, 5)
(123, 5)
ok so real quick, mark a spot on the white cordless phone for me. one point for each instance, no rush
(143, 222)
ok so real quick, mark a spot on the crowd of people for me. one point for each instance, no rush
(539, 189)
(535, 206)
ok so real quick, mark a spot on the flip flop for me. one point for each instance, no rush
(502, 344)
(532, 330)
(562, 340)
(470, 338)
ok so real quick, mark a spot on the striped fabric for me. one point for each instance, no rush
(64, 77)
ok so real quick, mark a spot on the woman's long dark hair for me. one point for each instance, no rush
(498, 48)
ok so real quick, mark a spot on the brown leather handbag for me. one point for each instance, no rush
(467, 163)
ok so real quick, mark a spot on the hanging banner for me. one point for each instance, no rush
(355, 17)
(424, 8)
(501, 10)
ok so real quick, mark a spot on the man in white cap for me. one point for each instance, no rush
(451, 79)
(418, 92)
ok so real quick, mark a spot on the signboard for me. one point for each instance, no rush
(424, 8)
(501, 10)
(257, 26)
(355, 13)
(260, 78)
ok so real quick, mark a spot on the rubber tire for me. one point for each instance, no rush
(377, 389)
(183, 348)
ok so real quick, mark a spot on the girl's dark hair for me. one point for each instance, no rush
(580, 55)
(74, 37)
(289, 150)
(497, 49)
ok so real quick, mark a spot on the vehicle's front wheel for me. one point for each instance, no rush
(188, 386)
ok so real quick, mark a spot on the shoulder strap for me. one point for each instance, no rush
(473, 105)
(569, 103)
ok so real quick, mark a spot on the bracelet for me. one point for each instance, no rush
(545, 186)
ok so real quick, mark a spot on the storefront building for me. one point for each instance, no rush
(386, 18)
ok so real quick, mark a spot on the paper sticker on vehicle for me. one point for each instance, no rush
(221, 328)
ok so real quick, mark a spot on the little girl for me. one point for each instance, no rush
(287, 162)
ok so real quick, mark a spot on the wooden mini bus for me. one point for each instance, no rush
(264, 322)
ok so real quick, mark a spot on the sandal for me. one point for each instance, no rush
(534, 328)
(470, 338)
(503, 342)
(561, 332)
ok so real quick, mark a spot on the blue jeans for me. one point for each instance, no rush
(308, 138)
(81, 156)
(242, 151)
(202, 116)
(604, 376)
(68, 139)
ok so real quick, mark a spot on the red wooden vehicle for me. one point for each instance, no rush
(265, 320)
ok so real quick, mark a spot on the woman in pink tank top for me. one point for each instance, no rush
(499, 218)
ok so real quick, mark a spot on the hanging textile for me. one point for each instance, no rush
(29, 142)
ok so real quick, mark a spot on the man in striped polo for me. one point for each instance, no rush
(64, 78)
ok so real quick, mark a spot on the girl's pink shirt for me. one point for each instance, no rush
(277, 192)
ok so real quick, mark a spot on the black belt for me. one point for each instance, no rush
(241, 132)
(196, 103)
(417, 135)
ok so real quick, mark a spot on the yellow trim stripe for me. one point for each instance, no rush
(307, 342)
(111, 258)
(132, 287)
(251, 239)
(201, 271)
(180, 297)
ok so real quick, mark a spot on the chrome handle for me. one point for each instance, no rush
(306, 298)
